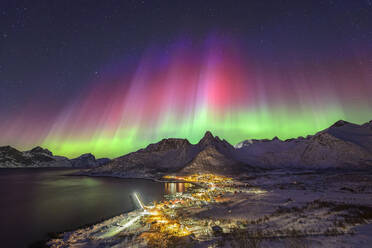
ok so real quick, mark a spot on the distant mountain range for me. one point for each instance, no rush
(342, 145)
(43, 158)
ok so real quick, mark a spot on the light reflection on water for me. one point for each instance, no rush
(173, 188)
(37, 201)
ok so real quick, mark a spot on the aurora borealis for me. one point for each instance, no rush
(217, 81)
(187, 91)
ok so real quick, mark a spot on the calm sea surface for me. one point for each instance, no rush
(34, 202)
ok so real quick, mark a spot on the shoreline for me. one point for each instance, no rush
(221, 212)
(53, 235)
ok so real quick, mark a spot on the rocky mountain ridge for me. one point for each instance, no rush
(343, 145)
(43, 158)
(172, 155)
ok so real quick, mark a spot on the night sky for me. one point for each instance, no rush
(109, 77)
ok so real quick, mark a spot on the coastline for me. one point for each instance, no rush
(222, 212)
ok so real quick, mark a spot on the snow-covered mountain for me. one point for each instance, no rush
(43, 158)
(37, 157)
(210, 154)
(214, 156)
(342, 145)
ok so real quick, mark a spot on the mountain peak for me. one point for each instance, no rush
(340, 123)
(88, 160)
(39, 149)
(87, 155)
(368, 124)
(208, 135)
(210, 160)
(8, 149)
(208, 139)
(168, 144)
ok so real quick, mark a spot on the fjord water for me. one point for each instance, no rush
(37, 201)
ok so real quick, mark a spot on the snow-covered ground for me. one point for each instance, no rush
(272, 209)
